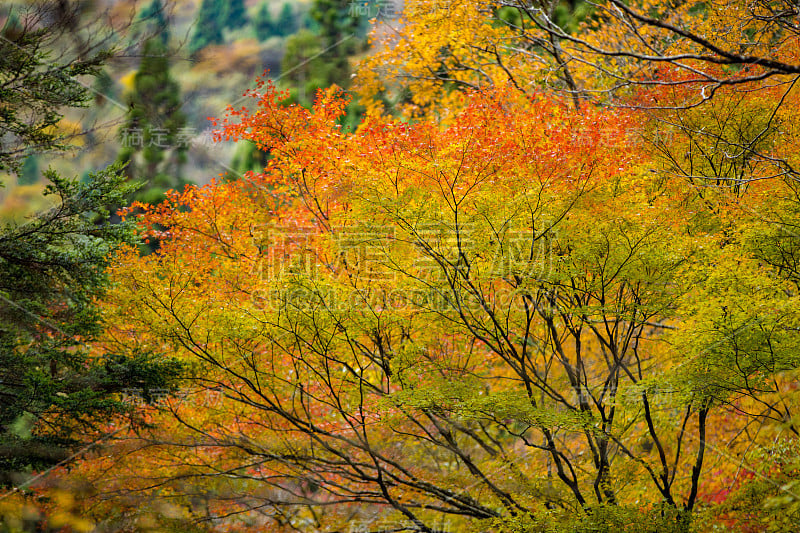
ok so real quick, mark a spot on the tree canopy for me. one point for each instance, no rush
(36, 84)
(548, 282)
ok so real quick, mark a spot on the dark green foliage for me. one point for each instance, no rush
(248, 157)
(51, 271)
(155, 21)
(154, 136)
(285, 25)
(263, 24)
(29, 173)
(307, 22)
(33, 89)
(235, 14)
(566, 15)
(287, 21)
(570, 15)
(52, 268)
(339, 29)
(305, 67)
(104, 88)
(336, 19)
(209, 24)
(321, 58)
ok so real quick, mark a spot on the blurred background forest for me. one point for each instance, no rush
(172, 66)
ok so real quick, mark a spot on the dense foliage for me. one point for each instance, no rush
(546, 282)
(35, 83)
(52, 269)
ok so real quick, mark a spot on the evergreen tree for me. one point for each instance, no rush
(156, 21)
(208, 26)
(53, 267)
(33, 88)
(307, 22)
(287, 21)
(304, 66)
(152, 136)
(235, 14)
(338, 27)
(29, 172)
(263, 24)
(335, 39)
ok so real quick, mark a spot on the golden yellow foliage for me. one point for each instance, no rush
(450, 40)
(127, 80)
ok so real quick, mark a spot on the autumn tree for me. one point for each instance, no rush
(444, 48)
(719, 102)
(637, 44)
(458, 45)
(518, 312)
(393, 346)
